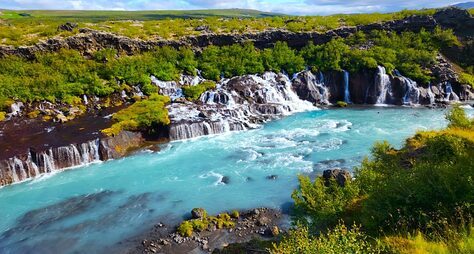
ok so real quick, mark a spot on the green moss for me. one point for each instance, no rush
(235, 214)
(466, 78)
(146, 115)
(33, 114)
(185, 229)
(341, 104)
(223, 220)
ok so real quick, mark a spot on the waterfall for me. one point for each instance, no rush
(384, 86)
(84, 98)
(16, 108)
(347, 94)
(431, 95)
(449, 92)
(50, 160)
(236, 104)
(171, 88)
(412, 93)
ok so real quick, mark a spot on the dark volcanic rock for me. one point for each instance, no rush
(340, 175)
(272, 177)
(67, 27)
(88, 41)
(457, 19)
(225, 180)
(198, 213)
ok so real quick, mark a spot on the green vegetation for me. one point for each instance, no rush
(147, 115)
(341, 104)
(340, 239)
(17, 29)
(188, 227)
(417, 199)
(193, 92)
(466, 78)
(2, 115)
(66, 75)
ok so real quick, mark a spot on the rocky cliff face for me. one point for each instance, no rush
(88, 41)
(34, 163)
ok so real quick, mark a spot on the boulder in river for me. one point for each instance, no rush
(198, 213)
(340, 175)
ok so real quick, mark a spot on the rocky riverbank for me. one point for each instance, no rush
(257, 224)
(34, 146)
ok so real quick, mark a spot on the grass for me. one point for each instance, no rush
(29, 27)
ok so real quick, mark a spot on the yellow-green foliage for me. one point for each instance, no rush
(223, 220)
(419, 244)
(185, 229)
(39, 25)
(2, 115)
(340, 239)
(341, 104)
(145, 115)
(33, 114)
(235, 214)
(194, 92)
(466, 78)
(458, 119)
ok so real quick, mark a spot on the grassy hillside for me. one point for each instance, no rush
(28, 27)
(96, 16)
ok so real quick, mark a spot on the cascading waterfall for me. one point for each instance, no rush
(347, 94)
(431, 95)
(53, 159)
(449, 92)
(412, 93)
(384, 86)
(225, 109)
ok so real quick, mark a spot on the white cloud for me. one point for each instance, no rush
(283, 6)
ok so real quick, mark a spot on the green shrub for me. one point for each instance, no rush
(146, 115)
(194, 92)
(466, 78)
(458, 119)
(185, 229)
(319, 204)
(340, 239)
(235, 214)
(341, 104)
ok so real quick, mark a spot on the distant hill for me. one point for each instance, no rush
(466, 5)
(135, 15)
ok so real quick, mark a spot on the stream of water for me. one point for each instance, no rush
(96, 208)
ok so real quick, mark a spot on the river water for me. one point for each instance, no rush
(97, 208)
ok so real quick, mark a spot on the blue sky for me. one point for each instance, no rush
(305, 7)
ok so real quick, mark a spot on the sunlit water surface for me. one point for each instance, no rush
(97, 208)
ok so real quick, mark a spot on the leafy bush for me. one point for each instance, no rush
(340, 239)
(145, 115)
(185, 229)
(423, 189)
(458, 119)
(320, 204)
(282, 58)
(194, 92)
